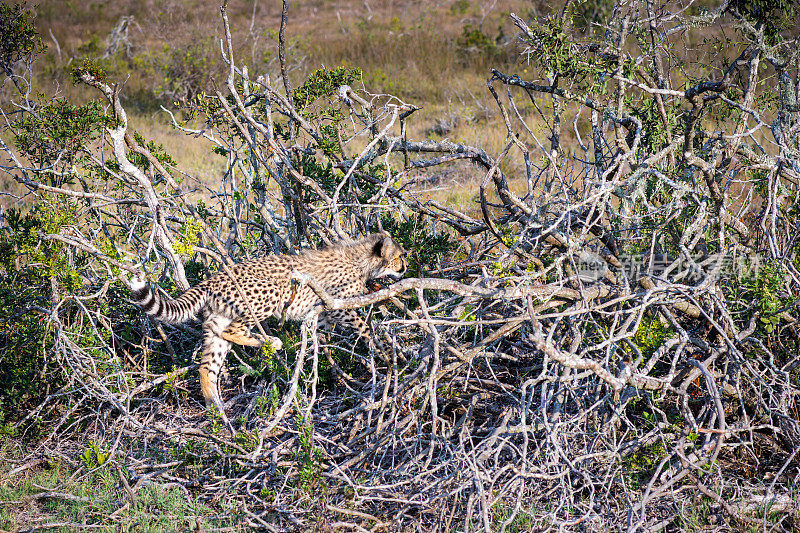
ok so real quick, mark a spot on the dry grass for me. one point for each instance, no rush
(410, 49)
(194, 155)
(410, 46)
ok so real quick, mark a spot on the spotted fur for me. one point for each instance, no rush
(267, 291)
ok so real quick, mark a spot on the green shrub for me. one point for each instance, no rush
(473, 39)
(35, 273)
(308, 456)
(20, 38)
(187, 70)
(59, 130)
(26, 345)
(774, 17)
(323, 82)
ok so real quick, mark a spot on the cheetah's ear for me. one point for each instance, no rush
(381, 244)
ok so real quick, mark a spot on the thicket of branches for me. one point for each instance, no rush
(611, 344)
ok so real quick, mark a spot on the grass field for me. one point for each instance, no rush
(435, 55)
(57, 497)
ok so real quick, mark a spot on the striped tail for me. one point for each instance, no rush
(168, 310)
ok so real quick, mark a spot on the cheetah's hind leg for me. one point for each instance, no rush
(239, 333)
(215, 350)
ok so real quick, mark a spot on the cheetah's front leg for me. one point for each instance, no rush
(352, 321)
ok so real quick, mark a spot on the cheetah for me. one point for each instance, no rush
(342, 270)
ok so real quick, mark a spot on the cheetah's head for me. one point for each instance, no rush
(389, 256)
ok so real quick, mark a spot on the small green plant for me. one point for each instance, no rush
(765, 284)
(93, 456)
(267, 404)
(696, 516)
(467, 313)
(216, 426)
(308, 456)
(651, 334)
(267, 494)
(498, 269)
(171, 378)
(188, 237)
(639, 464)
(523, 521)
(509, 236)
(247, 439)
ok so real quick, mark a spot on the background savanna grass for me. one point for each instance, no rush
(435, 55)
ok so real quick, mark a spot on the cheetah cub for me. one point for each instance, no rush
(342, 270)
